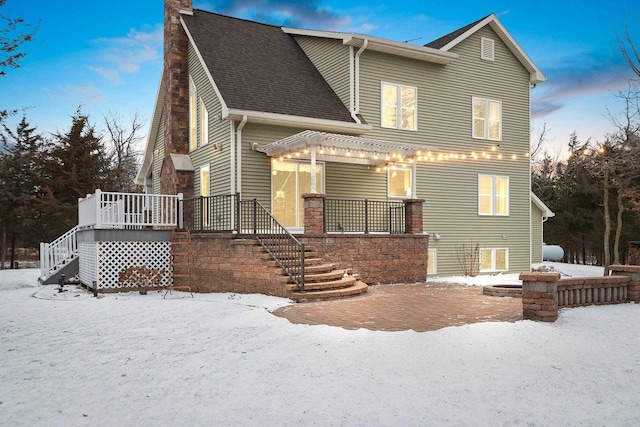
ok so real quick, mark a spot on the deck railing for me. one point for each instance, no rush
(256, 221)
(210, 214)
(128, 210)
(363, 216)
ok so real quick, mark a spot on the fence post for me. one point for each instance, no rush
(366, 216)
(180, 211)
(238, 213)
(98, 211)
(255, 217)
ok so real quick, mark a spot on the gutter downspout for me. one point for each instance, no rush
(239, 153)
(356, 107)
(232, 157)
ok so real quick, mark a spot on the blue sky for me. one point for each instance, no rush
(106, 56)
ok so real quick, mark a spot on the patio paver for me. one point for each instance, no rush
(419, 306)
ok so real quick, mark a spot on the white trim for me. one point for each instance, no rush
(399, 87)
(494, 195)
(147, 158)
(203, 65)
(535, 75)
(296, 121)
(487, 49)
(203, 115)
(239, 153)
(493, 259)
(546, 212)
(194, 143)
(422, 53)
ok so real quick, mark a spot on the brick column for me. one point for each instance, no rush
(540, 296)
(413, 216)
(632, 271)
(313, 213)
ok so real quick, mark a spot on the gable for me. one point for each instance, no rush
(258, 67)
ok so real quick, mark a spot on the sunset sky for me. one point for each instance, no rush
(106, 56)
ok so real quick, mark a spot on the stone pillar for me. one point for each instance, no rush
(634, 253)
(313, 213)
(540, 296)
(633, 272)
(413, 216)
(176, 99)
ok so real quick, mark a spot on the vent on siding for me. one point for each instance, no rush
(487, 49)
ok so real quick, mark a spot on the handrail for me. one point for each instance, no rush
(363, 216)
(58, 253)
(288, 252)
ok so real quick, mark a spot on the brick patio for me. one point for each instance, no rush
(420, 306)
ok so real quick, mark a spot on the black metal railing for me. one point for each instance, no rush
(209, 214)
(363, 216)
(256, 221)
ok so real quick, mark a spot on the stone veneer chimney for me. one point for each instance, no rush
(175, 176)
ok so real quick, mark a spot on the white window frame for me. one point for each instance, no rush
(193, 115)
(493, 260)
(399, 109)
(205, 205)
(494, 196)
(487, 49)
(392, 168)
(486, 118)
(204, 124)
(433, 255)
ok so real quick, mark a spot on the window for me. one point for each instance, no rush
(432, 264)
(399, 181)
(204, 124)
(493, 195)
(487, 49)
(494, 259)
(399, 109)
(487, 119)
(205, 193)
(193, 123)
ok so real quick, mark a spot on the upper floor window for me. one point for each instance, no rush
(487, 119)
(193, 115)
(204, 124)
(493, 195)
(399, 106)
(399, 181)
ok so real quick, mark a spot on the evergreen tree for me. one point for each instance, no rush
(20, 185)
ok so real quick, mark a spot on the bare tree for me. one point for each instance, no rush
(629, 51)
(536, 146)
(124, 150)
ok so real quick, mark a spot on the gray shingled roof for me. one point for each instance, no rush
(444, 40)
(258, 67)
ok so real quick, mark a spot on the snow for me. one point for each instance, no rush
(223, 359)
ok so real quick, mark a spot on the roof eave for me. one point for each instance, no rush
(295, 121)
(546, 212)
(378, 44)
(147, 158)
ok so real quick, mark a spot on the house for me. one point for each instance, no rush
(391, 159)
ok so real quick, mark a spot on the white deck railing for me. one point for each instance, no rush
(58, 253)
(128, 210)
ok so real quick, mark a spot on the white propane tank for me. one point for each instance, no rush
(552, 252)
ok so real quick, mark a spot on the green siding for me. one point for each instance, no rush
(331, 58)
(444, 123)
(346, 181)
(219, 133)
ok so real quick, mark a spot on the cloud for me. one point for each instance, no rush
(86, 92)
(127, 54)
(579, 75)
(303, 14)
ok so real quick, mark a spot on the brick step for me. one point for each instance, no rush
(323, 277)
(308, 262)
(357, 288)
(328, 285)
(318, 268)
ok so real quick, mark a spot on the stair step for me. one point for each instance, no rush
(323, 277)
(328, 285)
(318, 268)
(357, 289)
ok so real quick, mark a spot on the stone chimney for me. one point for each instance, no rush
(177, 172)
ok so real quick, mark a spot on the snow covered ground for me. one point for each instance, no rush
(222, 359)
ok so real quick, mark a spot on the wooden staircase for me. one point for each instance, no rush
(324, 282)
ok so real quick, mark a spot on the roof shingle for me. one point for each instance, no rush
(446, 39)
